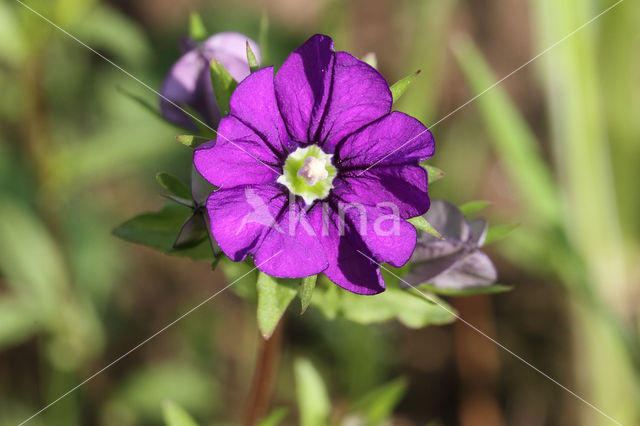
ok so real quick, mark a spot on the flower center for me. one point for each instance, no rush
(308, 172)
(313, 170)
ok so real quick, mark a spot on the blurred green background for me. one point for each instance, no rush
(555, 149)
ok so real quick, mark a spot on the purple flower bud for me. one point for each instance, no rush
(189, 82)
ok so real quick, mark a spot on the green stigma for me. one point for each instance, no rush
(308, 172)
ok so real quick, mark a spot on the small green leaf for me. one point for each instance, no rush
(498, 232)
(251, 58)
(223, 85)
(275, 417)
(452, 292)
(174, 415)
(311, 392)
(197, 30)
(274, 295)
(473, 207)
(305, 291)
(400, 86)
(421, 224)
(434, 173)
(192, 141)
(173, 185)
(378, 405)
(372, 60)
(159, 230)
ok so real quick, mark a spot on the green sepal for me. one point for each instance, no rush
(192, 141)
(421, 224)
(223, 85)
(251, 58)
(274, 296)
(305, 291)
(174, 185)
(473, 207)
(197, 30)
(434, 173)
(400, 86)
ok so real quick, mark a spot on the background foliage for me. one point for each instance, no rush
(554, 149)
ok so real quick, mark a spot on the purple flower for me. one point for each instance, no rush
(189, 81)
(455, 262)
(316, 174)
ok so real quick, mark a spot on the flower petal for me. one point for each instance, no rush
(230, 48)
(188, 83)
(326, 95)
(350, 265)
(449, 221)
(291, 248)
(388, 237)
(403, 186)
(474, 270)
(254, 104)
(302, 86)
(479, 228)
(255, 219)
(393, 140)
(237, 157)
(359, 95)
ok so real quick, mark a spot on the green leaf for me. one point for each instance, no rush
(414, 311)
(400, 86)
(174, 415)
(159, 230)
(251, 58)
(313, 400)
(452, 292)
(305, 291)
(421, 224)
(192, 141)
(378, 405)
(174, 185)
(473, 207)
(498, 232)
(197, 30)
(223, 85)
(275, 417)
(434, 173)
(274, 296)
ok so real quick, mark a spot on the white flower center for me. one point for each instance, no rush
(313, 170)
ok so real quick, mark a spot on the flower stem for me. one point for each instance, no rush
(261, 385)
